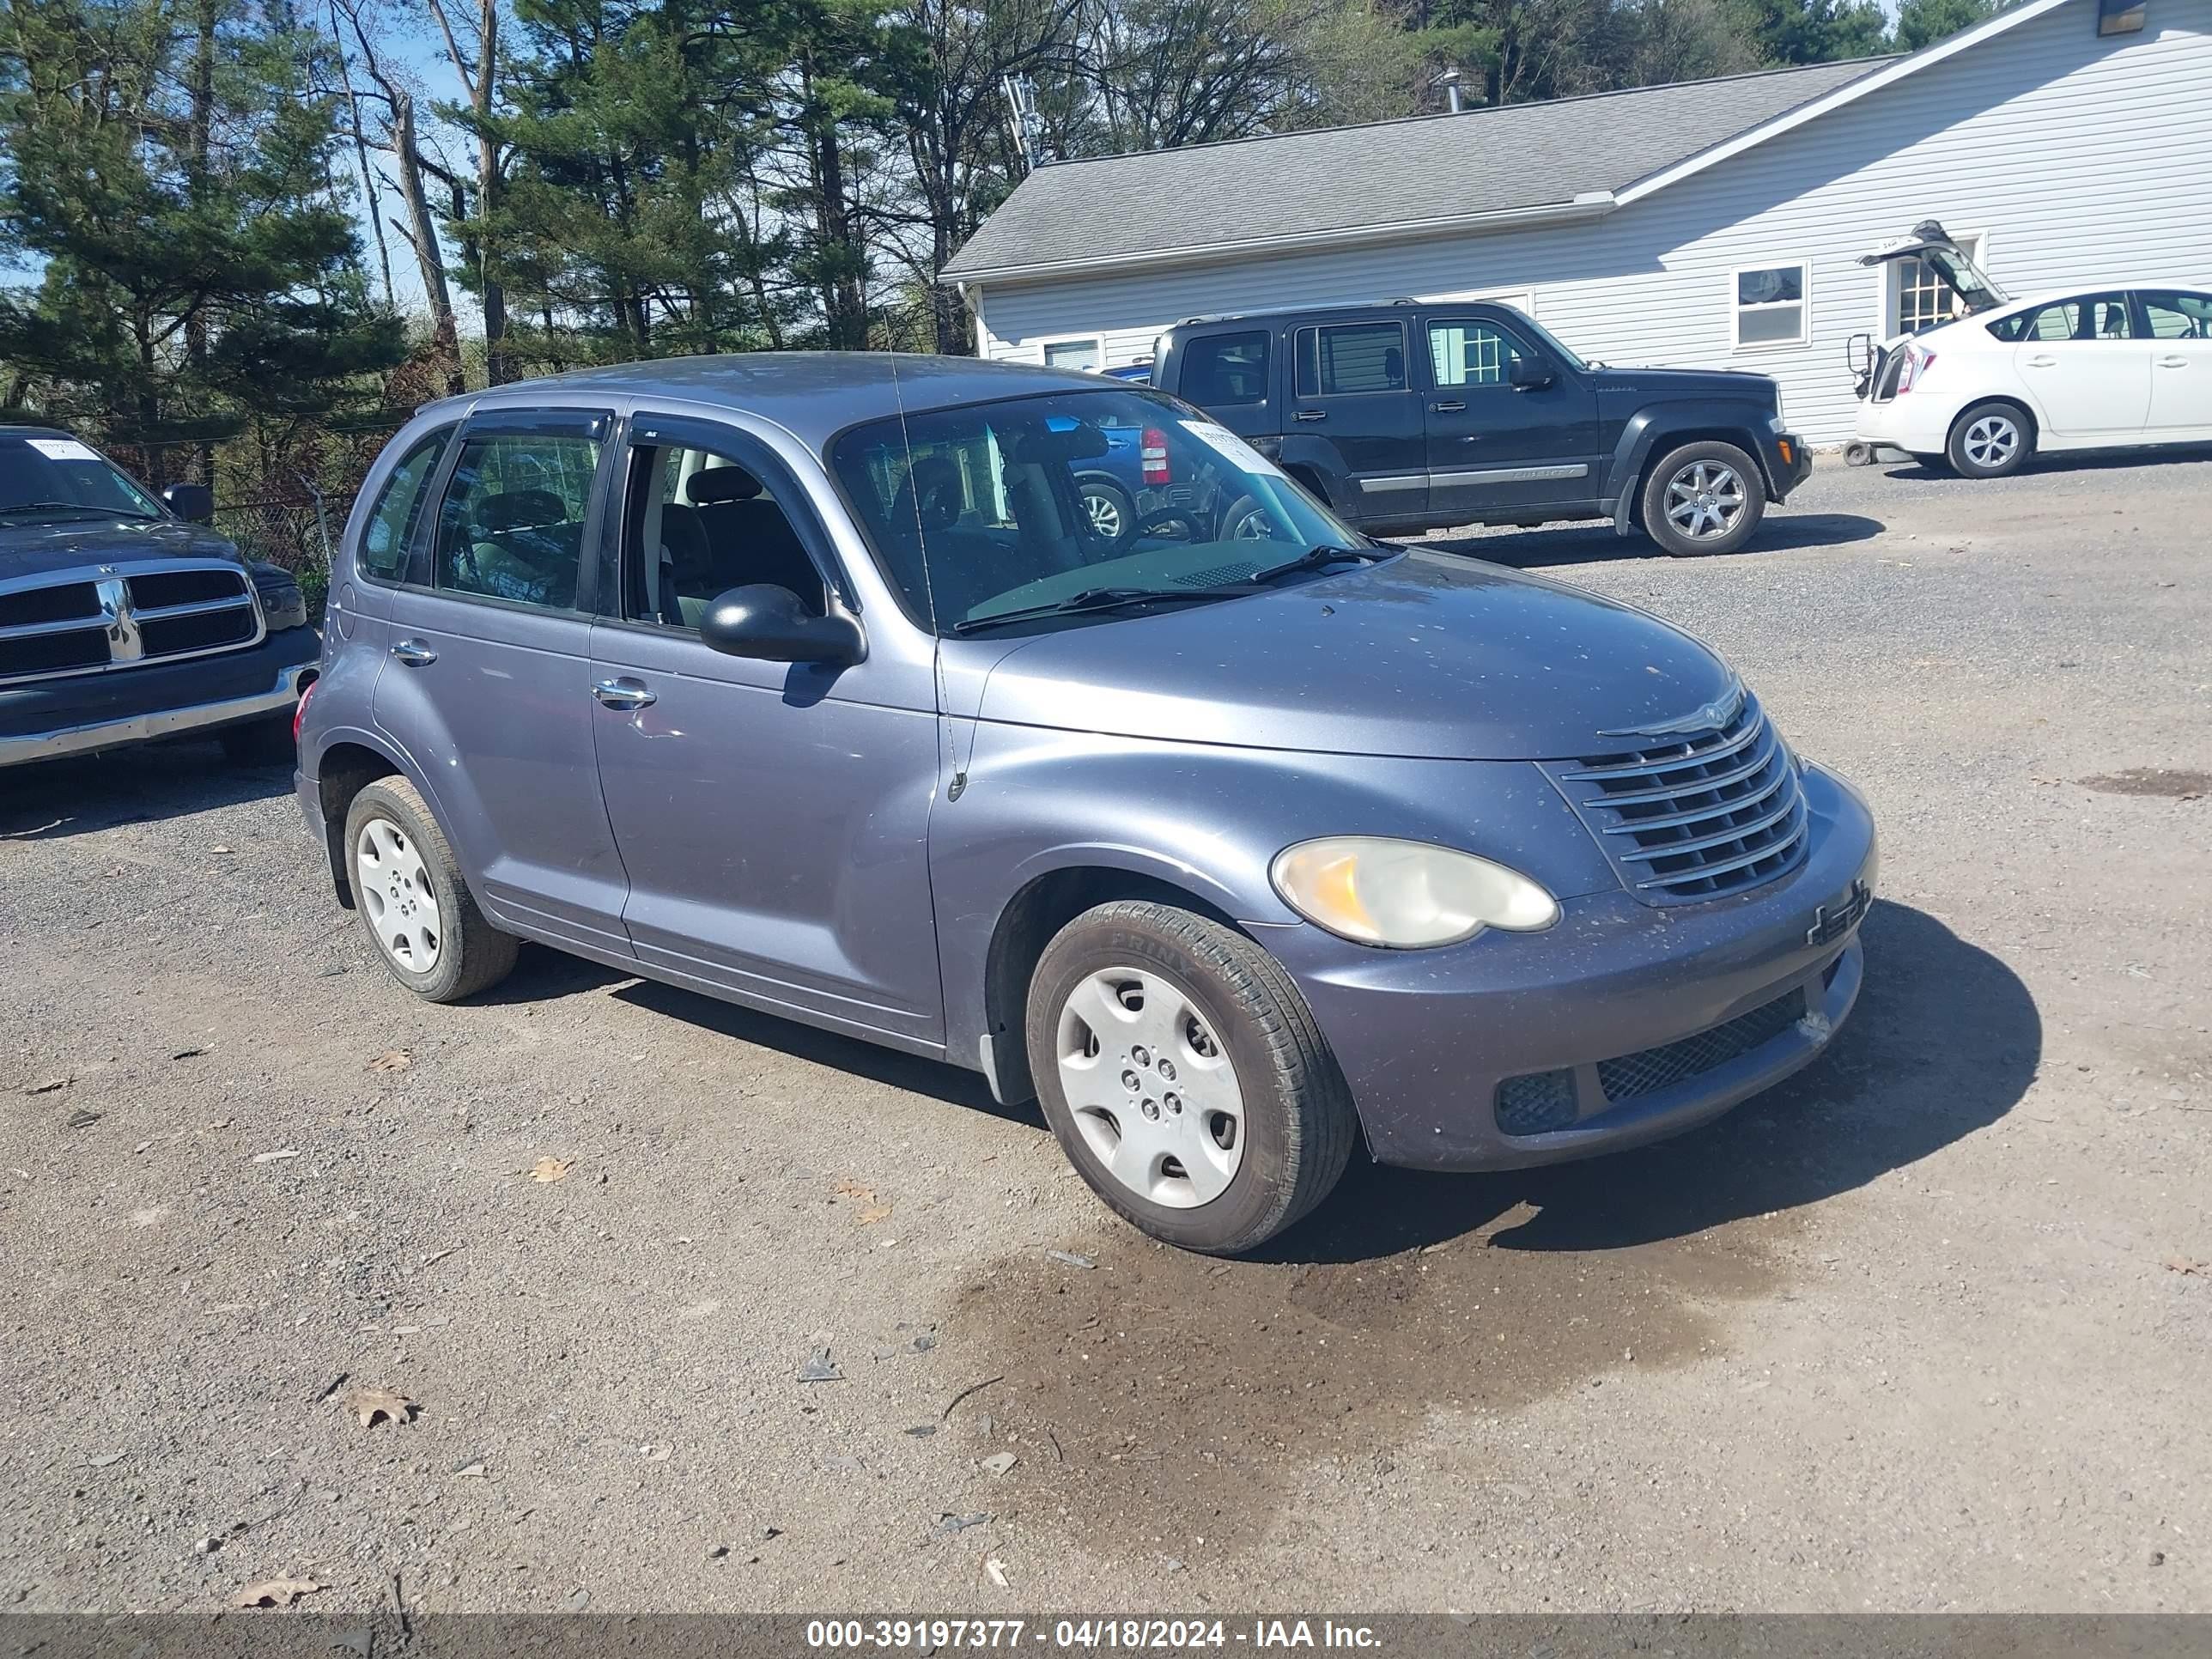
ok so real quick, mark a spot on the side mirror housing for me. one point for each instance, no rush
(772, 625)
(1527, 373)
(194, 502)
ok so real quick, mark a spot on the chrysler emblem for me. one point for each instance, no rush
(1710, 718)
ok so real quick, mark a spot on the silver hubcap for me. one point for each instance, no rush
(1991, 441)
(1254, 526)
(396, 897)
(1105, 515)
(1153, 1091)
(1705, 500)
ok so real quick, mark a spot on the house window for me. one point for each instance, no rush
(1919, 298)
(1088, 353)
(1771, 307)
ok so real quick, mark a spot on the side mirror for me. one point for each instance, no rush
(773, 625)
(194, 502)
(1527, 373)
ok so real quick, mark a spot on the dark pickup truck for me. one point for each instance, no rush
(122, 619)
(1409, 415)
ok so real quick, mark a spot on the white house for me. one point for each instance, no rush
(1715, 223)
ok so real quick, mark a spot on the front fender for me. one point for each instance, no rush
(1646, 430)
(1204, 820)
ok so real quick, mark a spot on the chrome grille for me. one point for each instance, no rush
(121, 615)
(1697, 816)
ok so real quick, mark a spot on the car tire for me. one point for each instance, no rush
(261, 742)
(1703, 497)
(1106, 503)
(1246, 521)
(1217, 1042)
(396, 855)
(1991, 441)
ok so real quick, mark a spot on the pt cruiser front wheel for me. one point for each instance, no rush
(1185, 1077)
(409, 892)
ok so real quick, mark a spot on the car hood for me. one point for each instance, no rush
(1427, 655)
(40, 550)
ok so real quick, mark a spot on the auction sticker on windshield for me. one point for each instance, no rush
(62, 449)
(1231, 448)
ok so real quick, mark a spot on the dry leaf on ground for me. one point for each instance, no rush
(276, 1593)
(848, 1187)
(369, 1404)
(49, 1085)
(2182, 1264)
(551, 1169)
(874, 1213)
(392, 1059)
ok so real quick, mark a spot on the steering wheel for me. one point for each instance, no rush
(1152, 523)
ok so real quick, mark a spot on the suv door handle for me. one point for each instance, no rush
(414, 654)
(624, 694)
(1310, 415)
(1446, 409)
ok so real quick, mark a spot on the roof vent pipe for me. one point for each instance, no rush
(1450, 81)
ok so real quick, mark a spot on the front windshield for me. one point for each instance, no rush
(52, 477)
(980, 512)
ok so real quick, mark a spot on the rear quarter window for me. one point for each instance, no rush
(389, 532)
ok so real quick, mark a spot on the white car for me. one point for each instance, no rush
(2093, 369)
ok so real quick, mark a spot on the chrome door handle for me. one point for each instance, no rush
(1310, 415)
(414, 654)
(623, 694)
(1446, 409)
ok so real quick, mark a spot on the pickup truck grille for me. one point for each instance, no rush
(1698, 816)
(123, 616)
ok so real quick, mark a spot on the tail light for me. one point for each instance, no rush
(1917, 362)
(1152, 452)
(300, 710)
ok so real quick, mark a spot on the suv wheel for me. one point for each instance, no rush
(1705, 497)
(409, 894)
(1989, 441)
(1113, 515)
(1184, 1076)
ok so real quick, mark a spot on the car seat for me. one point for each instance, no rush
(749, 538)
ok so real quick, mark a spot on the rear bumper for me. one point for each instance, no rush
(51, 718)
(1912, 424)
(1426, 1037)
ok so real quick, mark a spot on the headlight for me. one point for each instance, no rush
(1406, 894)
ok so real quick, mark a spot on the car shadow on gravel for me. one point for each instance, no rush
(51, 800)
(2092, 460)
(1594, 543)
(1944, 1041)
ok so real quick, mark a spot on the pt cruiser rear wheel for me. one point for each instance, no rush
(409, 892)
(1184, 1076)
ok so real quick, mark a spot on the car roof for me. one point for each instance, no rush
(22, 429)
(813, 394)
(1349, 308)
(2079, 291)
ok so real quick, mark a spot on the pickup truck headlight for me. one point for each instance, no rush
(1406, 895)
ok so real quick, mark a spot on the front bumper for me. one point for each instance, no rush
(1790, 462)
(48, 719)
(1426, 1037)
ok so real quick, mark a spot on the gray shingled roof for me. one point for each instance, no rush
(1516, 157)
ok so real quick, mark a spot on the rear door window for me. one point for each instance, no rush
(512, 523)
(1220, 369)
(2090, 317)
(1350, 357)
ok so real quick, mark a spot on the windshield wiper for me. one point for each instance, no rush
(1091, 598)
(1315, 557)
(73, 507)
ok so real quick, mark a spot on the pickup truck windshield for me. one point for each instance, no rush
(47, 478)
(1019, 505)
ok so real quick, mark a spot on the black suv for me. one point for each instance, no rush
(1408, 416)
(122, 619)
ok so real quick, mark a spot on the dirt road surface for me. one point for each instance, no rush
(1925, 1328)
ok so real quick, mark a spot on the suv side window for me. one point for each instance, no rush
(1350, 357)
(2177, 316)
(698, 523)
(1470, 352)
(511, 524)
(1227, 369)
(390, 532)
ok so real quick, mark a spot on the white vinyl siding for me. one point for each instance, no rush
(2075, 154)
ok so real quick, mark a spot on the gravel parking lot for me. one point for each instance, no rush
(1925, 1328)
